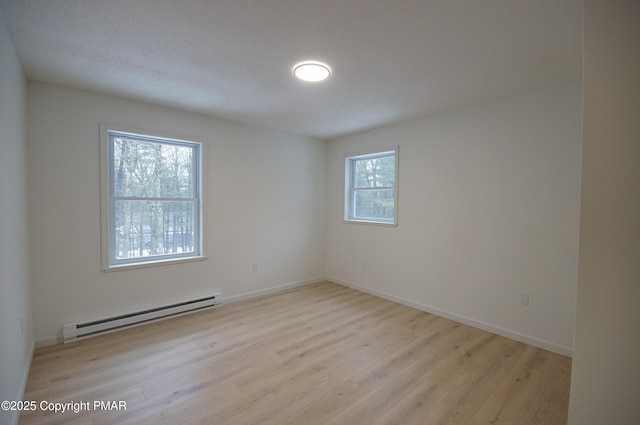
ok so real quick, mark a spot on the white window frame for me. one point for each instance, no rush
(107, 200)
(350, 190)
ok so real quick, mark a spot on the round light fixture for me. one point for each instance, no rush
(312, 71)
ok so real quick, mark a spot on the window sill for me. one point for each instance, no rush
(146, 264)
(373, 223)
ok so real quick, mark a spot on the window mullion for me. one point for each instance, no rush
(364, 189)
(151, 199)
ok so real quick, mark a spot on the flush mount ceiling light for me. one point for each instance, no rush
(312, 71)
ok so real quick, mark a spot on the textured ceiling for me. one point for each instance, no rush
(392, 60)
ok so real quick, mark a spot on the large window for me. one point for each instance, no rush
(152, 211)
(371, 187)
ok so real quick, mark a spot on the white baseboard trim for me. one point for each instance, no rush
(46, 342)
(271, 290)
(517, 336)
(23, 382)
(25, 373)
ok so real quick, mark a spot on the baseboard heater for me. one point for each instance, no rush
(75, 331)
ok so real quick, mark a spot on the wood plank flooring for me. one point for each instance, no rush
(320, 354)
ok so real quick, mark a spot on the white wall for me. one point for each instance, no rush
(265, 193)
(605, 386)
(16, 341)
(488, 207)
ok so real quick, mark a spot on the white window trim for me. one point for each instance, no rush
(105, 208)
(347, 186)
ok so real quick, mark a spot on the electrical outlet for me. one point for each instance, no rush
(524, 298)
(363, 263)
(254, 267)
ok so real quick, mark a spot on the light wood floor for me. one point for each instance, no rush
(320, 354)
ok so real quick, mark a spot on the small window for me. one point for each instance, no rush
(371, 194)
(152, 211)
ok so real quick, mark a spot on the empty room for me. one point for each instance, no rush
(319, 212)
